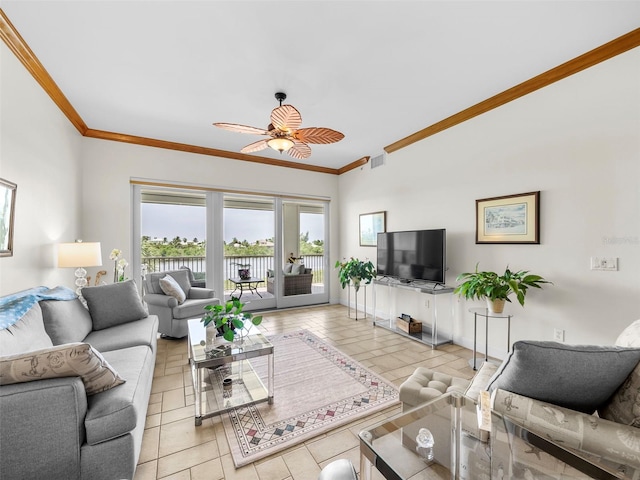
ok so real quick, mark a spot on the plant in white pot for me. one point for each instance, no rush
(229, 319)
(355, 271)
(497, 288)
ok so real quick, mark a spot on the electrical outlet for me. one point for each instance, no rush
(426, 303)
(604, 263)
(558, 335)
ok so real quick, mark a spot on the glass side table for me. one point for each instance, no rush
(484, 312)
(224, 378)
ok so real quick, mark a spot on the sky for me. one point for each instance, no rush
(189, 222)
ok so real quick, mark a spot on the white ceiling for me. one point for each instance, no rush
(377, 71)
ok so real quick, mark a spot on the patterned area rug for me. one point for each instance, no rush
(317, 388)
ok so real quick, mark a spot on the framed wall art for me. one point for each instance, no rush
(370, 225)
(7, 214)
(509, 219)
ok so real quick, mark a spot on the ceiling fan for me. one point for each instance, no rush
(285, 132)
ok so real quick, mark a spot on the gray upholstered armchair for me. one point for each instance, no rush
(173, 315)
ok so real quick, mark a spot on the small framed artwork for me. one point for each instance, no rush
(7, 214)
(509, 219)
(370, 225)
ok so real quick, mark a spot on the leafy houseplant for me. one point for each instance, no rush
(497, 288)
(229, 317)
(355, 271)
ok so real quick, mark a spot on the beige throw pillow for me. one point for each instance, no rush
(68, 360)
(170, 287)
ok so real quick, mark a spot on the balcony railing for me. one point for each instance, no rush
(258, 266)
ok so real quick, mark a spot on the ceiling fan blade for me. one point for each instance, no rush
(255, 146)
(299, 150)
(318, 135)
(286, 118)
(234, 127)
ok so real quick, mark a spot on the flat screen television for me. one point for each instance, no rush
(413, 255)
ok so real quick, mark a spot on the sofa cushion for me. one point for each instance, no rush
(630, 336)
(114, 304)
(171, 287)
(143, 332)
(480, 380)
(192, 308)
(69, 360)
(287, 268)
(297, 269)
(579, 377)
(66, 321)
(117, 411)
(26, 334)
(624, 405)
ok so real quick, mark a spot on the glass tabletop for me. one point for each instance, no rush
(441, 439)
(253, 344)
(428, 441)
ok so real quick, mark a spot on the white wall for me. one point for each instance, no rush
(578, 142)
(39, 151)
(109, 166)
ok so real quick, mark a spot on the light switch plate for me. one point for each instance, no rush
(604, 263)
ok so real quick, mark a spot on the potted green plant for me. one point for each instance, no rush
(355, 271)
(497, 288)
(229, 318)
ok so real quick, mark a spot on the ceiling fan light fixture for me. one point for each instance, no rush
(280, 144)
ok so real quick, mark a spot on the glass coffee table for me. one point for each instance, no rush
(223, 378)
(395, 449)
(391, 447)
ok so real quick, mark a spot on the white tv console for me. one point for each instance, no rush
(433, 333)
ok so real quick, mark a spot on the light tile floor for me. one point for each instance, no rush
(173, 448)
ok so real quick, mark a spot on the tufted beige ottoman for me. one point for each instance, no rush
(424, 385)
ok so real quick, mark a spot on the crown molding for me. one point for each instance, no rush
(600, 54)
(183, 147)
(353, 165)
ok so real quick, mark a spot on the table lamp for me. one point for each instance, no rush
(79, 255)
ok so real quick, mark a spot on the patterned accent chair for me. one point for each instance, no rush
(609, 433)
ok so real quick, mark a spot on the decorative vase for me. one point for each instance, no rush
(355, 281)
(496, 306)
(211, 332)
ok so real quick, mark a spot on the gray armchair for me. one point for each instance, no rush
(194, 283)
(171, 315)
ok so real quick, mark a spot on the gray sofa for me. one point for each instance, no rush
(78, 426)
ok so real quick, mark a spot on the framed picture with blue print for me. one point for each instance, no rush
(509, 219)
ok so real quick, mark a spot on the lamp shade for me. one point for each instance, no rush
(79, 254)
(280, 144)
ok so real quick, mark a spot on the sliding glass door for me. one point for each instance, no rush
(301, 281)
(268, 251)
(249, 246)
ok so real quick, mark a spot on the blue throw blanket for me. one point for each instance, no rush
(14, 306)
